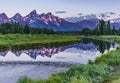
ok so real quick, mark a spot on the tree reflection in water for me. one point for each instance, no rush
(86, 44)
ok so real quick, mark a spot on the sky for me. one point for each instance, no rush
(62, 8)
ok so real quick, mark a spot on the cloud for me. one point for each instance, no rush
(60, 12)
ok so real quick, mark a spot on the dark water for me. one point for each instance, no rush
(81, 52)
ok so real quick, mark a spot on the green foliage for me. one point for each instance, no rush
(82, 80)
(35, 39)
(26, 29)
(114, 78)
(102, 28)
(7, 28)
(114, 31)
(90, 62)
(86, 31)
(111, 58)
(108, 29)
(25, 80)
(93, 73)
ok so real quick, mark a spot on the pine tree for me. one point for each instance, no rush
(108, 28)
(101, 27)
(113, 31)
(26, 30)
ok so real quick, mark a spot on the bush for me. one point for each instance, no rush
(112, 58)
(25, 79)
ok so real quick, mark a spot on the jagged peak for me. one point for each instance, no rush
(112, 13)
(4, 15)
(33, 12)
(18, 14)
(42, 14)
(49, 13)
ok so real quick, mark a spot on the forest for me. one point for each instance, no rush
(13, 28)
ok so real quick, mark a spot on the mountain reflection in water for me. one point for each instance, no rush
(49, 52)
(72, 53)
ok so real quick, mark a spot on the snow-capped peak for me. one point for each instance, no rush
(113, 17)
(33, 12)
(3, 15)
(17, 15)
(107, 16)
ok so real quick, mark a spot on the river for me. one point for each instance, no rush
(40, 63)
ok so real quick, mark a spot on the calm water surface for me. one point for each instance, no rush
(79, 53)
(75, 53)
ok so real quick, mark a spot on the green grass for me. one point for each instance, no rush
(114, 79)
(28, 39)
(112, 58)
(106, 38)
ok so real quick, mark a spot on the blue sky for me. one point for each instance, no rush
(72, 7)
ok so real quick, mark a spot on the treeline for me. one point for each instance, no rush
(103, 28)
(13, 28)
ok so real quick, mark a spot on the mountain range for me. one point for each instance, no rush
(48, 20)
(91, 20)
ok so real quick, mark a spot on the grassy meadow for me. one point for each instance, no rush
(106, 38)
(34, 39)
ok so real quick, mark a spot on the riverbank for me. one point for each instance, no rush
(13, 72)
(101, 71)
(29, 40)
(46, 63)
(105, 38)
